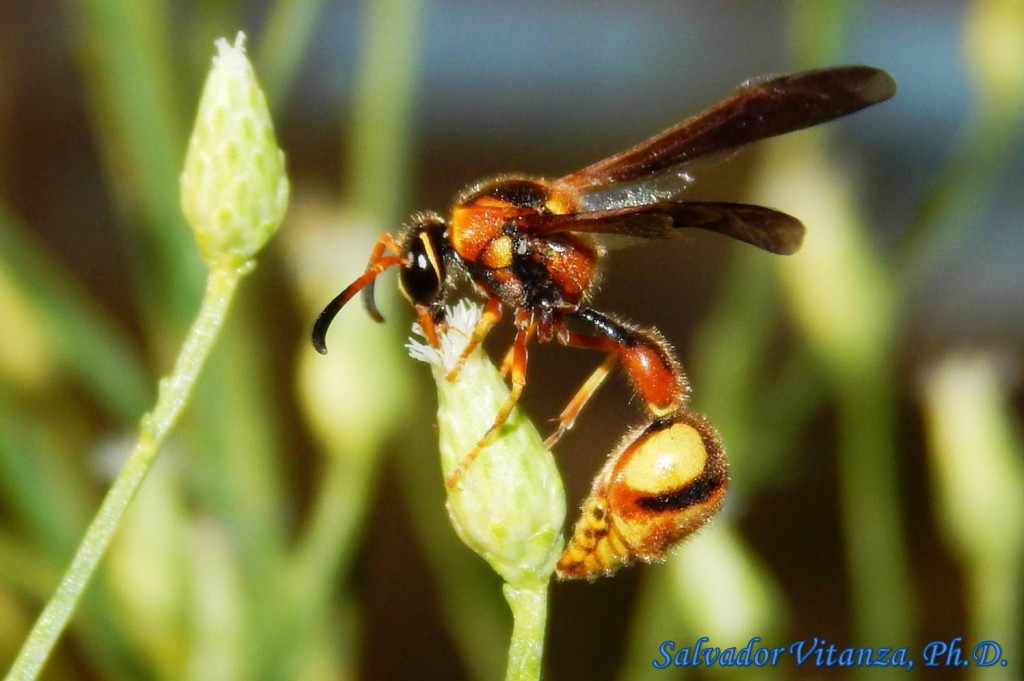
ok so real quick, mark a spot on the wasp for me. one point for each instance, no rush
(534, 246)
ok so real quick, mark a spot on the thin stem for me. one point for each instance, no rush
(154, 427)
(874, 526)
(125, 55)
(290, 28)
(529, 614)
(994, 598)
(82, 337)
(384, 103)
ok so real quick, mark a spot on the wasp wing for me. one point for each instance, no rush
(768, 229)
(759, 109)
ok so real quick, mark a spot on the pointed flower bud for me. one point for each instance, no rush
(509, 505)
(234, 190)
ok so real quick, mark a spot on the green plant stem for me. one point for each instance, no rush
(285, 42)
(384, 103)
(883, 601)
(993, 603)
(529, 614)
(154, 427)
(84, 339)
(131, 84)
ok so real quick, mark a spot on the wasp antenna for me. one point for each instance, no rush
(370, 302)
(323, 322)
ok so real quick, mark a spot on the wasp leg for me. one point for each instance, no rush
(506, 362)
(518, 370)
(646, 357)
(490, 317)
(567, 418)
(425, 317)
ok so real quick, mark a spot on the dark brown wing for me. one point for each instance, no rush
(759, 109)
(763, 227)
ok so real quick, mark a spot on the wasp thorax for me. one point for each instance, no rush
(660, 486)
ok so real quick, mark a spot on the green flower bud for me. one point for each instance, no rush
(234, 190)
(509, 505)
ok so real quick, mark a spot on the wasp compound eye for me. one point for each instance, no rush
(423, 271)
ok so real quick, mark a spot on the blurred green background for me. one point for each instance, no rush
(868, 389)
